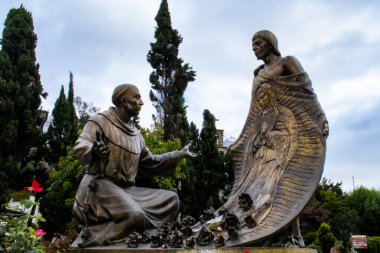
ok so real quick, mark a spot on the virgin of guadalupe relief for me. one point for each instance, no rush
(272, 144)
(279, 156)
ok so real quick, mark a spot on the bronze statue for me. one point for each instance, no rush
(279, 156)
(108, 203)
(278, 162)
(272, 145)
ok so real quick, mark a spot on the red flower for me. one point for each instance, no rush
(34, 188)
(39, 232)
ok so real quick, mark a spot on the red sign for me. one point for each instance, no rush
(359, 241)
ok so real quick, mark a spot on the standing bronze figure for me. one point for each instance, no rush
(108, 204)
(279, 156)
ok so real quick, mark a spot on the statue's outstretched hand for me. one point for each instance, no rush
(99, 148)
(187, 153)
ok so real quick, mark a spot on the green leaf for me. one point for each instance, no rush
(27, 203)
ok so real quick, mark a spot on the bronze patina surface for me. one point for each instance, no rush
(123, 249)
(279, 156)
(278, 161)
(107, 204)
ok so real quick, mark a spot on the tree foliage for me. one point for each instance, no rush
(154, 140)
(209, 173)
(357, 212)
(169, 78)
(341, 217)
(329, 205)
(63, 129)
(367, 203)
(312, 216)
(213, 173)
(21, 93)
(58, 130)
(328, 185)
(57, 203)
(325, 237)
(182, 181)
(84, 111)
(188, 193)
(73, 118)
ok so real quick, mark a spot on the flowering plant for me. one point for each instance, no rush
(18, 226)
(34, 188)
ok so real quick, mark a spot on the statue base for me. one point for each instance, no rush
(119, 248)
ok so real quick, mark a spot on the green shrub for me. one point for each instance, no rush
(309, 238)
(373, 244)
(326, 238)
(57, 203)
(154, 140)
(20, 234)
(348, 245)
(377, 240)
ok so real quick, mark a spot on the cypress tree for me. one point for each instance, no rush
(213, 173)
(169, 78)
(208, 136)
(21, 92)
(63, 129)
(189, 194)
(59, 131)
(194, 136)
(73, 119)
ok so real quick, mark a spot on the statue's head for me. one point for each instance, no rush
(120, 91)
(269, 37)
(266, 96)
(127, 96)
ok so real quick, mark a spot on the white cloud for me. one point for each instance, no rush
(353, 95)
(319, 24)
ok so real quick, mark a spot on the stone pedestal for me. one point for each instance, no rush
(123, 248)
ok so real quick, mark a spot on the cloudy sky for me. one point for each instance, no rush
(105, 43)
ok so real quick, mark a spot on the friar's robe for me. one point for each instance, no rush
(115, 207)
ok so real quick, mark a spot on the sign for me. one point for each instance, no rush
(359, 241)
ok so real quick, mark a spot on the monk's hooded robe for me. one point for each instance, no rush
(107, 200)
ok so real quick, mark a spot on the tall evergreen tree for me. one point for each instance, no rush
(21, 93)
(194, 136)
(63, 129)
(188, 193)
(59, 130)
(170, 78)
(213, 173)
(73, 119)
